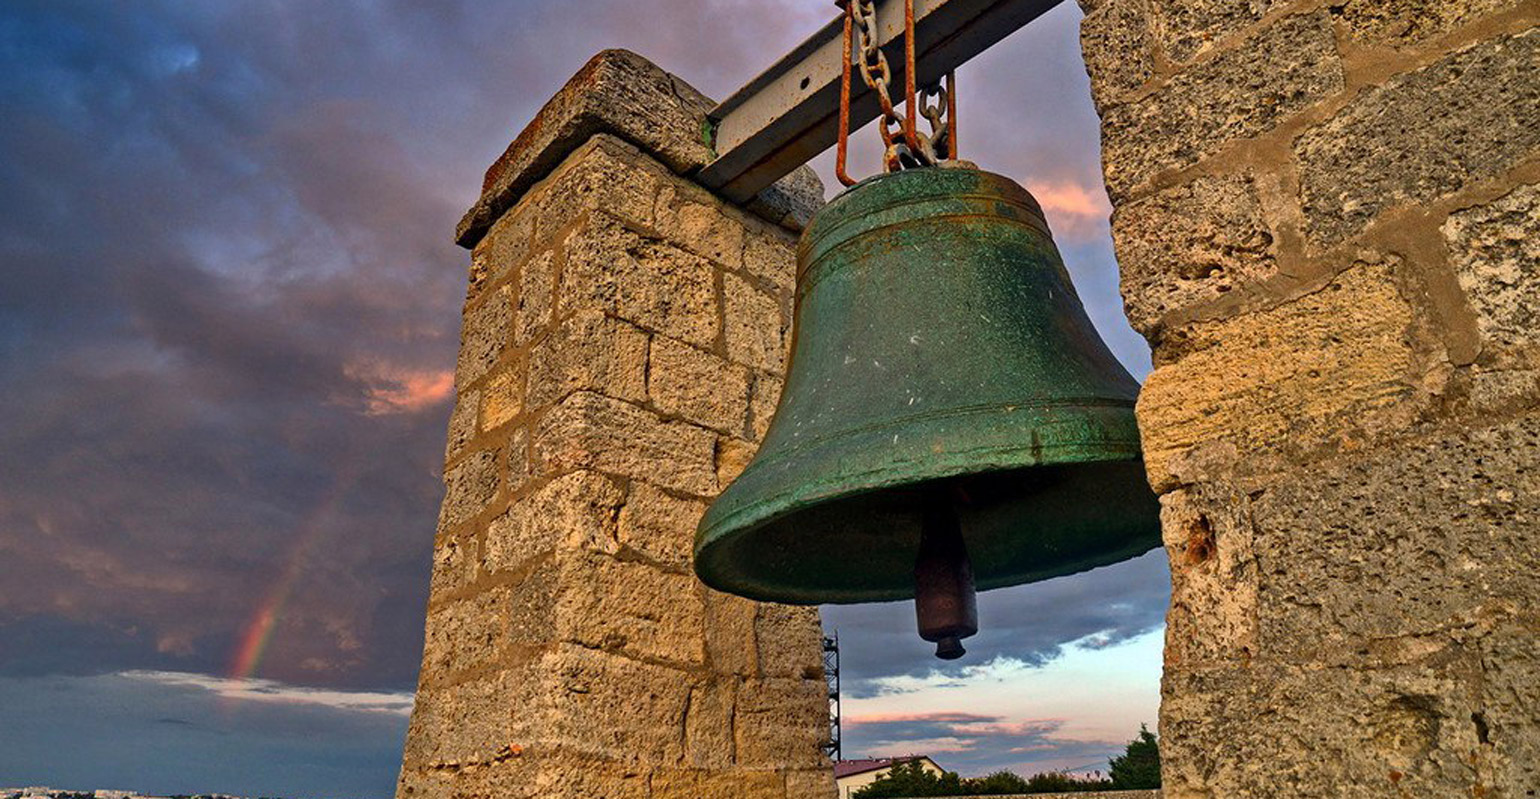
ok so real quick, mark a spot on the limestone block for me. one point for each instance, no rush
(589, 352)
(1187, 29)
(1240, 93)
(483, 337)
(466, 633)
(733, 456)
(610, 706)
(650, 283)
(506, 245)
(577, 777)
(503, 396)
(708, 723)
(532, 607)
(782, 722)
(701, 784)
(1372, 561)
(1115, 41)
(1212, 617)
(1185, 246)
(766, 393)
(697, 386)
(771, 256)
(731, 645)
(1423, 135)
(755, 326)
(605, 173)
(574, 511)
(1321, 370)
(659, 525)
(811, 784)
(471, 721)
(790, 641)
(454, 564)
(462, 423)
(589, 431)
(468, 486)
(629, 607)
(537, 284)
(698, 222)
(1404, 23)
(1495, 250)
(616, 92)
(519, 470)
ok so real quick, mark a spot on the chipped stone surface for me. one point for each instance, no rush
(574, 511)
(652, 284)
(755, 326)
(1183, 247)
(503, 397)
(659, 525)
(1495, 250)
(697, 386)
(468, 486)
(589, 352)
(1188, 29)
(590, 431)
(1424, 135)
(630, 608)
(1115, 42)
(1240, 93)
(1311, 373)
(1404, 23)
(484, 337)
(462, 423)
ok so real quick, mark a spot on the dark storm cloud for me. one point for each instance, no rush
(1027, 623)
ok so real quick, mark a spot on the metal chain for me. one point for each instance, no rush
(901, 152)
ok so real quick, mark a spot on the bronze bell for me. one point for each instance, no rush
(950, 417)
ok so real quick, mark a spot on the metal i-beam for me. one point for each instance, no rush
(790, 112)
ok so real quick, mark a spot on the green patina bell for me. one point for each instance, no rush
(950, 417)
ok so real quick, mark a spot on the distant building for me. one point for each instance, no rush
(853, 775)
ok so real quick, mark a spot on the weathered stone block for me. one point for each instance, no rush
(1115, 42)
(658, 525)
(1400, 546)
(468, 486)
(589, 431)
(733, 456)
(1495, 249)
(810, 783)
(565, 776)
(731, 645)
(650, 283)
(629, 607)
(1320, 370)
(762, 401)
(604, 174)
(782, 723)
(1422, 136)
(790, 641)
(1212, 618)
(1241, 93)
(1183, 247)
(771, 256)
(701, 784)
(698, 222)
(1404, 23)
(708, 723)
(537, 283)
(483, 337)
(1187, 29)
(502, 398)
(517, 453)
(454, 565)
(472, 721)
(466, 633)
(698, 386)
(589, 352)
(505, 247)
(755, 326)
(462, 423)
(574, 511)
(606, 705)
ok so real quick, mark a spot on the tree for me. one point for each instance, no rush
(909, 778)
(1139, 765)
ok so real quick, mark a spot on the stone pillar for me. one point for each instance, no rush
(1328, 224)
(623, 346)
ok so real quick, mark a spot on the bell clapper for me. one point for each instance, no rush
(945, 606)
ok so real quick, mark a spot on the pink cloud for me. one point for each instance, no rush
(390, 388)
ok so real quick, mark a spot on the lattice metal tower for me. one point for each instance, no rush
(831, 675)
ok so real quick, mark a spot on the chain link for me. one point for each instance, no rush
(873, 64)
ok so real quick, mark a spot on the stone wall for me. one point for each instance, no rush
(623, 346)
(1327, 216)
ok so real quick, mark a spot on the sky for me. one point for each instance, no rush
(229, 309)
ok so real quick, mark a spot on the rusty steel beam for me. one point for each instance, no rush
(789, 113)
